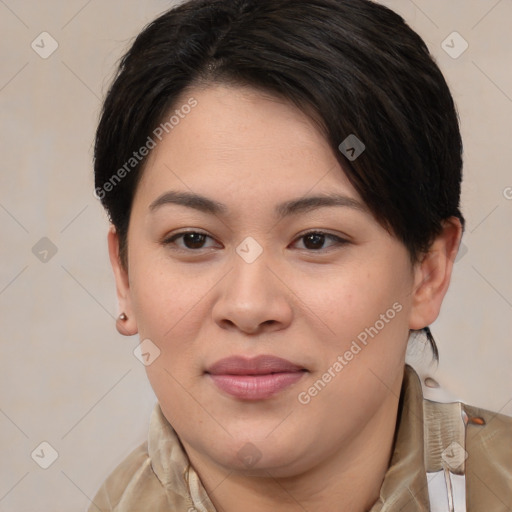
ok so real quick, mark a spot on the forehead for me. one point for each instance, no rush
(240, 140)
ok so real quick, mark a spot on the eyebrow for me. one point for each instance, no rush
(282, 210)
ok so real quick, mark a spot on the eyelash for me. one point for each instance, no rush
(339, 241)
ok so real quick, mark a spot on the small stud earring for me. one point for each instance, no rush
(123, 317)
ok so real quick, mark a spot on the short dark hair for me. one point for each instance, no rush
(353, 66)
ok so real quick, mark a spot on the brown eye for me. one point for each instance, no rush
(191, 240)
(315, 240)
(194, 240)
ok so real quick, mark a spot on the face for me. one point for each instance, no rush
(281, 321)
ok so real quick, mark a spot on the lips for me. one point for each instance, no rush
(255, 378)
(260, 365)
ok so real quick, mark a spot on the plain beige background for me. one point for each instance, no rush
(67, 377)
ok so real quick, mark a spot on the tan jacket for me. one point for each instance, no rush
(157, 476)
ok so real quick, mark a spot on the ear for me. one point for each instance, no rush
(433, 273)
(126, 327)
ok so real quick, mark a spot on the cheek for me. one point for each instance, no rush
(356, 300)
(171, 308)
(360, 365)
(164, 298)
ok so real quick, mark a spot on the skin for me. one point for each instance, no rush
(302, 300)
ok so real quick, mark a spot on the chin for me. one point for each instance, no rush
(258, 455)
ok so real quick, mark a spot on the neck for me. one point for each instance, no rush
(348, 481)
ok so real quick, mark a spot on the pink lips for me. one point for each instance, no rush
(257, 378)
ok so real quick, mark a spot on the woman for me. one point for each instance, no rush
(283, 181)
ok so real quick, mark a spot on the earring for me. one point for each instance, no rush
(123, 317)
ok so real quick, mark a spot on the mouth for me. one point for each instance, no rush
(255, 378)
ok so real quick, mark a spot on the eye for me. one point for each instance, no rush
(191, 240)
(195, 240)
(314, 240)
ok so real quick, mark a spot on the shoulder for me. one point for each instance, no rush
(489, 434)
(485, 451)
(132, 486)
(484, 455)
(154, 476)
(489, 458)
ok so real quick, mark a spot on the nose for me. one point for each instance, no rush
(253, 298)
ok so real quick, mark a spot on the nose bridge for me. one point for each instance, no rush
(252, 295)
(250, 276)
